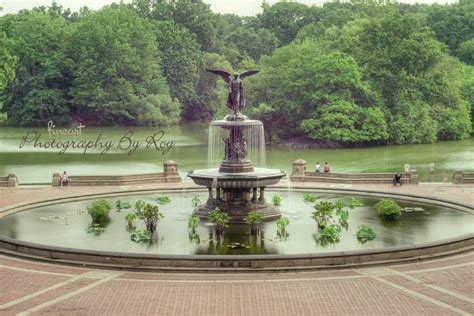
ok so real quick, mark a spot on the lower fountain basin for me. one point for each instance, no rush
(39, 232)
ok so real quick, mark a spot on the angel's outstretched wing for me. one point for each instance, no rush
(224, 74)
(248, 73)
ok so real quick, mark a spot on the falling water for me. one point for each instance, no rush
(253, 133)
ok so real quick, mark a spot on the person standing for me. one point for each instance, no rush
(326, 167)
(318, 167)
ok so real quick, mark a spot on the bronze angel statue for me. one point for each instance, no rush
(236, 98)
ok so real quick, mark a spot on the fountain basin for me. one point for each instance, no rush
(447, 230)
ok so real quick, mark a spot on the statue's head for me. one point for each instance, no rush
(236, 75)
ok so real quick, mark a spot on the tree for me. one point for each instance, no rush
(39, 91)
(117, 63)
(319, 94)
(181, 61)
(253, 43)
(7, 61)
(195, 15)
(284, 19)
(466, 52)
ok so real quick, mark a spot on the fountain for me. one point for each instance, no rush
(236, 187)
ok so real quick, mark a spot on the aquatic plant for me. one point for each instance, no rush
(196, 201)
(149, 213)
(119, 205)
(276, 200)
(221, 219)
(365, 233)
(388, 210)
(99, 210)
(193, 222)
(163, 199)
(254, 219)
(310, 197)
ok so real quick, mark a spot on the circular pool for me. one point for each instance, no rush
(59, 230)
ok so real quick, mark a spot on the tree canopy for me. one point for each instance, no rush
(353, 73)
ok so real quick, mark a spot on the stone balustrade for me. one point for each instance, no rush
(9, 181)
(460, 177)
(169, 174)
(300, 174)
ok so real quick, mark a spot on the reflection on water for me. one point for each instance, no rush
(38, 165)
(173, 237)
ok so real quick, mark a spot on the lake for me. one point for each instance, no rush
(187, 144)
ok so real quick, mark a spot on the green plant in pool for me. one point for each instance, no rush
(331, 233)
(95, 229)
(119, 205)
(353, 202)
(163, 199)
(322, 213)
(276, 200)
(140, 236)
(343, 216)
(221, 219)
(310, 197)
(365, 233)
(196, 201)
(388, 210)
(149, 213)
(130, 220)
(282, 223)
(193, 223)
(254, 219)
(99, 211)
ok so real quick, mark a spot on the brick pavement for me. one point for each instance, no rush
(445, 288)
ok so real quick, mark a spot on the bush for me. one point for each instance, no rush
(193, 222)
(163, 199)
(149, 213)
(365, 233)
(310, 197)
(221, 219)
(388, 210)
(99, 210)
(196, 201)
(331, 233)
(276, 200)
(282, 223)
(254, 219)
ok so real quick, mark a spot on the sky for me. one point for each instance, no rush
(240, 7)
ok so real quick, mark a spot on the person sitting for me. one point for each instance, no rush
(64, 179)
(326, 167)
(318, 167)
(397, 179)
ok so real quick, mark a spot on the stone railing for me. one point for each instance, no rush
(9, 181)
(460, 177)
(170, 174)
(299, 174)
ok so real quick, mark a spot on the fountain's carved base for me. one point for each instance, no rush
(237, 193)
(236, 167)
(238, 207)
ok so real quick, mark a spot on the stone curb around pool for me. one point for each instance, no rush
(234, 263)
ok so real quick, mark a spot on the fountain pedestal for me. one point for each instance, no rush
(237, 187)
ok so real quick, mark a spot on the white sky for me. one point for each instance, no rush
(240, 7)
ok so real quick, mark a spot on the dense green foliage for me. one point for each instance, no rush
(99, 211)
(254, 219)
(149, 213)
(388, 210)
(365, 233)
(220, 218)
(355, 73)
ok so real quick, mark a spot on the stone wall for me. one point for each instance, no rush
(9, 181)
(299, 174)
(460, 177)
(169, 174)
